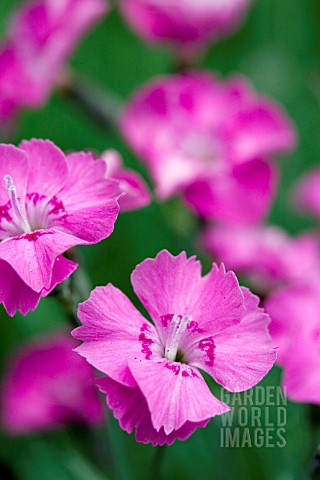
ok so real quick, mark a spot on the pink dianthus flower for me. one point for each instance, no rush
(41, 36)
(295, 329)
(267, 255)
(49, 203)
(153, 381)
(185, 24)
(211, 141)
(47, 385)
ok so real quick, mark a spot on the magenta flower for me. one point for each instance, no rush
(295, 328)
(154, 383)
(267, 255)
(49, 203)
(308, 193)
(137, 194)
(47, 385)
(209, 139)
(185, 24)
(39, 41)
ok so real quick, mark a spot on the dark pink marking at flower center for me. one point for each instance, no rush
(146, 342)
(166, 319)
(35, 197)
(57, 206)
(33, 236)
(193, 327)
(208, 347)
(176, 367)
(4, 212)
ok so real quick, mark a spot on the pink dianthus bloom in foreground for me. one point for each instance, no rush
(47, 385)
(295, 329)
(49, 203)
(41, 36)
(185, 24)
(267, 255)
(137, 194)
(209, 140)
(209, 323)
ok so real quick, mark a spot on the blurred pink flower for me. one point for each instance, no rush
(307, 194)
(267, 255)
(39, 40)
(49, 203)
(209, 139)
(185, 24)
(295, 328)
(154, 383)
(47, 385)
(137, 194)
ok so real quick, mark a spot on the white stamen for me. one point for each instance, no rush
(15, 204)
(177, 327)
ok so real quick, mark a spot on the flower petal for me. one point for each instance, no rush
(33, 255)
(173, 285)
(260, 130)
(242, 197)
(240, 356)
(114, 332)
(13, 162)
(131, 409)
(167, 284)
(175, 394)
(47, 167)
(89, 199)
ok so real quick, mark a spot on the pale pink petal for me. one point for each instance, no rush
(185, 25)
(240, 356)
(62, 269)
(47, 167)
(173, 285)
(167, 284)
(137, 194)
(129, 406)
(13, 162)
(33, 255)
(242, 197)
(89, 199)
(16, 295)
(169, 389)
(113, 332)
(301, 377)
(47, 385)
(260, 130)
(266, 255)
(293, 311)
(308, 193)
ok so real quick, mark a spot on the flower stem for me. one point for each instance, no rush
(314, 422)
(100, 105)
(157, 463)
(315, 466)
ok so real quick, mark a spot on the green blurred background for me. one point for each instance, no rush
(278, 48)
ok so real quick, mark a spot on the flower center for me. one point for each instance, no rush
(19, 214)
(177, 327)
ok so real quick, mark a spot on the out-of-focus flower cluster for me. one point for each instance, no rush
(40, 37)
(186, 25)
(48, 385)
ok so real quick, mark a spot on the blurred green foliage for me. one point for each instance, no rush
(278, 48)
